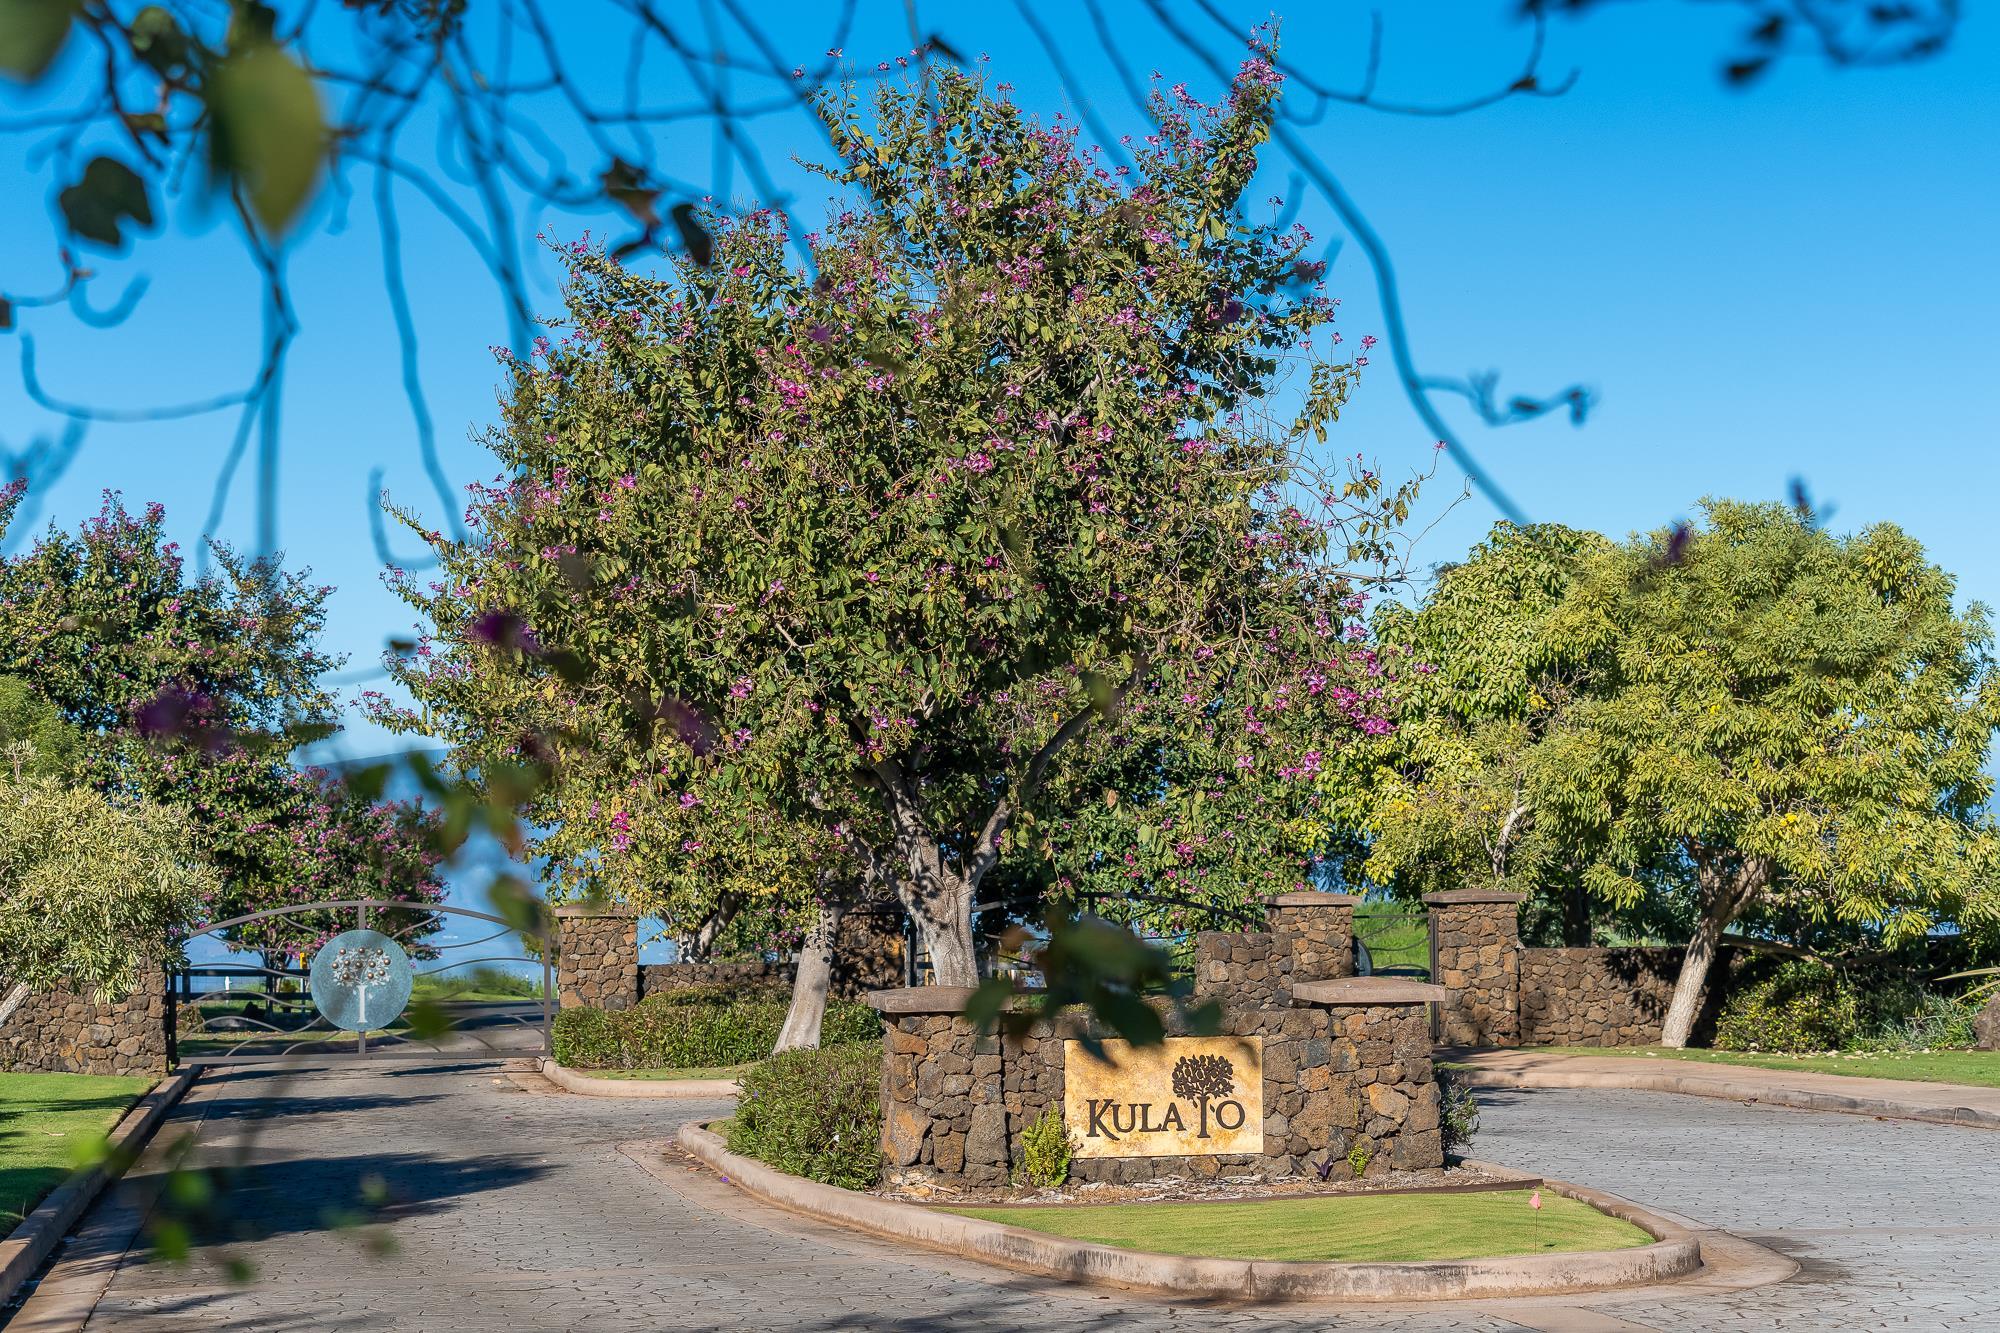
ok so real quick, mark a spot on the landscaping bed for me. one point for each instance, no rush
(1404, 1246)
(47, 1122)
(1978, 1069)
(1372, 1226)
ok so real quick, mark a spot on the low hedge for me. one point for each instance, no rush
(694, 1029)
(1802, 1007)
(816, 1114)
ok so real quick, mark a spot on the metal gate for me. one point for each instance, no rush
(246, 1013)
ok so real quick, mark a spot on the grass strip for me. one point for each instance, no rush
(1355, 1228)
(1978, 1069)
(46, 1123)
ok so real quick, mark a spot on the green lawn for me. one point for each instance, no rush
(46, 1121)
(719, 1071)
(1395, 936)
(1381, 1228)
(1979, 1069)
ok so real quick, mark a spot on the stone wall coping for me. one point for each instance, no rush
(1456, 897)
(1314, 898)
(919, 1000)
(608, 911)
(1369, 991)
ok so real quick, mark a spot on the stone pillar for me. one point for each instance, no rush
(1241, 969)
(1313, 934)
(597, 956)
(1476, 955)
(943, 1096)
(1384, 1090)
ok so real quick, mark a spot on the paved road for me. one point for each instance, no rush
(513, 1209)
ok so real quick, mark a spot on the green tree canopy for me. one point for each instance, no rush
(1797, 717)
(1481, 681)
(35, 741)
(1772, 717)
(92, 888)
(895, 546)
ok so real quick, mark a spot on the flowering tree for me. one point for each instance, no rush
(191, 692)
(900, 547)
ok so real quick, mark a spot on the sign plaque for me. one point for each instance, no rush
(1188, 1097)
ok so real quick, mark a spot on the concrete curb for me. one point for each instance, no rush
(1727, 1089)
(682, 1089)
(1675, 1253)
(22, 1253)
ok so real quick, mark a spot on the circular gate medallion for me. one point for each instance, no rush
(361, 980)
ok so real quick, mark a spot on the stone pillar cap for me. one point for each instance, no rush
(1369, 991)
(920, 1000)
(1313, 898)
(1459, 896)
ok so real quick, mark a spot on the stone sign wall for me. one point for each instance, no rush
(57, 1032)
(1345, 1064)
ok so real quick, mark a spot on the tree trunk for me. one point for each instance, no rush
(13, 1000)
(811, 982)
(1576, 917)
(1727, 888)
(936, 892)
(703, 943)
(942, 913)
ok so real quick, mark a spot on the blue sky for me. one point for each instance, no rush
(1794, 280)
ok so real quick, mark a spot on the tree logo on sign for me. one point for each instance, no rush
(1200, 1078)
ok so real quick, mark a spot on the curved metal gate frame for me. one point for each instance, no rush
(311, 1038)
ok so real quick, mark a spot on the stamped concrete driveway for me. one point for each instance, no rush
(511, 1207)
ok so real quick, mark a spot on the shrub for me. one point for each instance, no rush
(587, 1039)
(1918, 1020)
(816, 1114)
(1802, 1007)
(847, 1022)
(1045, 1150)
(1458, 1112)
(697, 1028)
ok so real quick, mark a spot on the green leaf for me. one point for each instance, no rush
(158, 40)
(266, 133)
(97, 205)
(31, 33)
